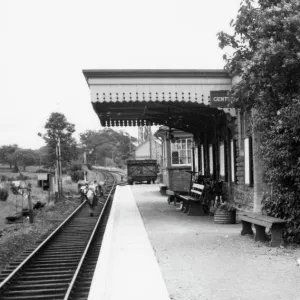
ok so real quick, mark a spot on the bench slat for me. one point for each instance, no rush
(198, 186)
(197, 192)
(189, 198)
(262, 220)
(262, 217)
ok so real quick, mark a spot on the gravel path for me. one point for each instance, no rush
(202, 260)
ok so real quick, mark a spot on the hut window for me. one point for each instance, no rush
(211, 159)
(202, 160)
(222, 159)
(196, 159)
(181, 152)
(164, 154)
(248, 161)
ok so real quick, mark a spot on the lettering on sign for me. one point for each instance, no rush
(221, 99)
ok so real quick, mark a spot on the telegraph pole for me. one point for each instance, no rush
(60, 169)
(57, 190)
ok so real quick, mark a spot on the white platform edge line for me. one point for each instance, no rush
(103, 259)
(159, 273)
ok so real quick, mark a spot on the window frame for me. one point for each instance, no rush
(186, 151)
(222, 160)
(248, 161)
(211, 164)
(233, 160)
(202, 160)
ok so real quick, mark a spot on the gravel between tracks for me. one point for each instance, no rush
(202, 260)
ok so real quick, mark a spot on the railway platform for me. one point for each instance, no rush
(153, 251)
(127, 267)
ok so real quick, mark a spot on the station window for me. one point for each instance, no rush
(202, 160)
(232, 160)
(222, 160)
(164, 154)
(211, 159)
(182, 152)
(248, 161)
(196, 159)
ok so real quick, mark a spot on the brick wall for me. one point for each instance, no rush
(243, 194)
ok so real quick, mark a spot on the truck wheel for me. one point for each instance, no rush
(148, 182)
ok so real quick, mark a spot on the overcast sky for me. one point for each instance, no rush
(46, 44)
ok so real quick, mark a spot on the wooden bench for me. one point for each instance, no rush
(261, 222)
(192, 204)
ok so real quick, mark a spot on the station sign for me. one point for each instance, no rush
(221, 99)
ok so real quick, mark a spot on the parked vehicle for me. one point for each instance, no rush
(140, 171)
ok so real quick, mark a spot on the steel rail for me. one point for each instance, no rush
(71, 285)
(19, 267)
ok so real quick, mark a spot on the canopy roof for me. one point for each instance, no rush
(176, 98)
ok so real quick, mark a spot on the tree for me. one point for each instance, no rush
(6, 154)
(42, 156)
(58, 128)
(24, 157)
(266, 57)
(107, 143)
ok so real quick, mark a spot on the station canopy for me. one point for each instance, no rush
(180, 99)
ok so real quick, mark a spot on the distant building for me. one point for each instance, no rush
(149, 149)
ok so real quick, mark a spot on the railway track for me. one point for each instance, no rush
(62, 266)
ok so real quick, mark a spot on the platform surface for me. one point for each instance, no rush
(127, 268)
(198, 259)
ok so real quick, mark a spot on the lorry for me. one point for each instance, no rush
(140, 171)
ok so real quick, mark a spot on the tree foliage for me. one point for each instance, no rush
(266, 59)
(24, 157)
(6, 152)
(56, 127)
(107, 143)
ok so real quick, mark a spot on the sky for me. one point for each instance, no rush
(46, 44)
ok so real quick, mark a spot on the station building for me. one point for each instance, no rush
(200, 130)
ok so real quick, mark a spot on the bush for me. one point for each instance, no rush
(3, 194)
(7, 178)
(77, 175)
(15, 169)
(68, 181)
(22, 177)
(41, 171)
(280, 152)
(285, 205)
(74, 168)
